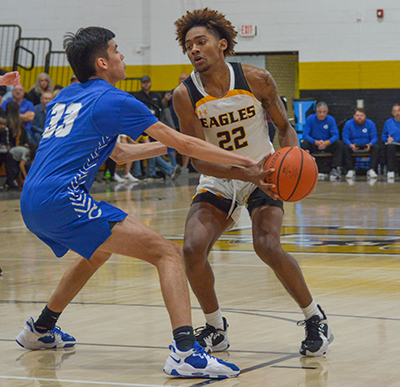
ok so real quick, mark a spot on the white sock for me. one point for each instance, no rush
(312, 310)
(215, 319)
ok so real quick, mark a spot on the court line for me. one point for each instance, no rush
(268, 363)
(136, 262)
(157, 348)
(255, 312)
(11, 228)
(80, 381)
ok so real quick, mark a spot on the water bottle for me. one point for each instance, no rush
(107, 175)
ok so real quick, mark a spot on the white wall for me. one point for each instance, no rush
(321, 30)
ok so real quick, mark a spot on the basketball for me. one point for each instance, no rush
(295, 176)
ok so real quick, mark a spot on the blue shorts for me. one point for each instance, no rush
(58, 224)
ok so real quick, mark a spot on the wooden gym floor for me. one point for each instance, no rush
(346, 239)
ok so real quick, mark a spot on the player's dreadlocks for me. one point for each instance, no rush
(214, 21)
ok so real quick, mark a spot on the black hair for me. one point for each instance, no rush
(84, 47)
(214, 21)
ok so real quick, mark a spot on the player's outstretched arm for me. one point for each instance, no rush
(124, 153)
(194, 147)
(265, 90)
(10, 79)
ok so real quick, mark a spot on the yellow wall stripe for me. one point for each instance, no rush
(349, 75)
(163, 77)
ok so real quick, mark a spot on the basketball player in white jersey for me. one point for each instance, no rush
(225, 104)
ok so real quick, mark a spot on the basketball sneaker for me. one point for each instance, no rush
(196, 363)
(213, 339)
(318, 335)
(30, 338)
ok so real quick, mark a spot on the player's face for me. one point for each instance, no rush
(322, 113)
(115, 63)
(203, 49)
(359, 118)
(396, 112)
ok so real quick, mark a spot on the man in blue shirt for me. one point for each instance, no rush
(40, 117)
(360, 134)
(391, 139)
(321, 134)
(26, 108)
(81, 131)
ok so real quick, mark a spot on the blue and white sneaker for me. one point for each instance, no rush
(196, 363)
(30, 338)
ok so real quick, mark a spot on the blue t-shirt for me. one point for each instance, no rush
(360, 134)
(82, 126)
(24, 107)
(392, 129)
(320, 130)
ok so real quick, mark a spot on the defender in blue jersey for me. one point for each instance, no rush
(81, 130)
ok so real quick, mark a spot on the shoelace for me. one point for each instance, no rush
(199, 350)
(205, 331)
(311, 327)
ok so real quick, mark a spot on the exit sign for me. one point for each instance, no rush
(247, 30)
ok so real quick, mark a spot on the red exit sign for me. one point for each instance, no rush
(248, 30)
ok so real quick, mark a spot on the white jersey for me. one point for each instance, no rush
(235, 122)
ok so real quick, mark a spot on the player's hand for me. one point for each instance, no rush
(257, 176)
(10, 79)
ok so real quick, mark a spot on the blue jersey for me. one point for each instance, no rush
(82, 126)
(360, 134)
(320, 130)
(391, 129)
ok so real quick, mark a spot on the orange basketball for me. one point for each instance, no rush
(296, 173)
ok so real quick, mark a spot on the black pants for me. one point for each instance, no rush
(12, 168)
(391, 159)
(336, 149)
(350, 160)
(3, 158)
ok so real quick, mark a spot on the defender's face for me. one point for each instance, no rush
(359, 118)
(115, 62)
(203, 49)
(322, 113)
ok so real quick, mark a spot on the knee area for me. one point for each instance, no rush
(269, 251)
(172, 250)
(194, 252)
